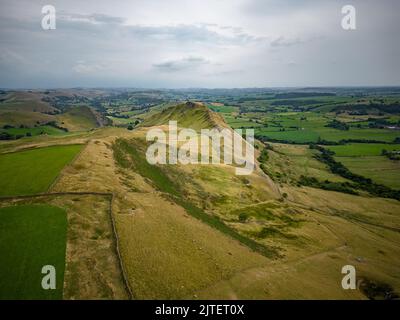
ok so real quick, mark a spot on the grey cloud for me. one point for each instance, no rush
(283, 42)
(181, 64)
(200, 32)
(95, 18)
(99, 43)
(189, 33)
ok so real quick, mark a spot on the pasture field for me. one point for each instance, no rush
(223, 108)
(241, 122)
(311, 133)
(306, 126)
(49, 130)
(296, 136)
(120, 121)
(331, 134)
(32, 171)
(378, 168)
(31, 237)
(362, 149)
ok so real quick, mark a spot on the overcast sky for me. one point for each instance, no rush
(202, 43)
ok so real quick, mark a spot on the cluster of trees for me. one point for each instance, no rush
(131, 126)
(378, 123)
(263, 156)
(55, 125)
(392, 155)
(265, 139)
(360, 182)
(338, 125)
(4, 135)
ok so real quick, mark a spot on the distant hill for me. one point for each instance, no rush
(26, 102)
(27, 118)
(189, 115)
(30, 109)
(24, 108)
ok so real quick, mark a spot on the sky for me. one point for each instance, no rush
(202, 43)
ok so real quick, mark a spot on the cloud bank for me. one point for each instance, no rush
(177, 43)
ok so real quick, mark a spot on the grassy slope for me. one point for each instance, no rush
(24, 108)
(288, 162)
(166, 252)
(25, 102)
(31, 236)
(32, 171)
(78, 119)
(26, 118)
(134, 149)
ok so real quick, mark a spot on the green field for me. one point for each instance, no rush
(378, 168)
(33, 171)
(120, 121)
(31, 237)
(297, 136)
(365, 159)
(223, 109)
(362, 149)
(306, 134)
(303, 127)
(49, 130)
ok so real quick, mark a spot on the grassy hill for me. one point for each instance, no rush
(79, 118)
(25, 118)
(24, 108)
(25, 101)
(188, 115)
